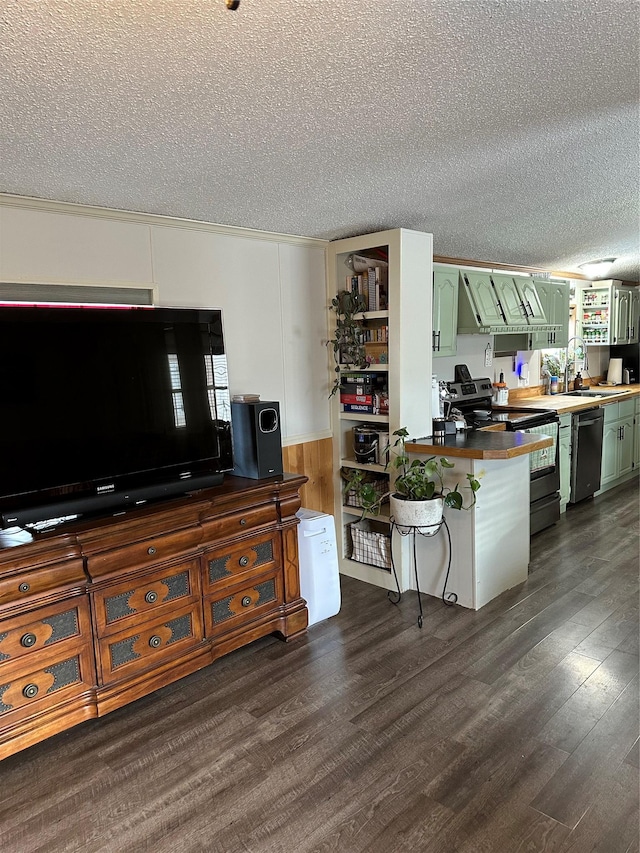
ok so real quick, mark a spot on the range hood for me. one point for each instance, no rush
(499, 304)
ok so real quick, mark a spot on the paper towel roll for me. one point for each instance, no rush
(614, 374)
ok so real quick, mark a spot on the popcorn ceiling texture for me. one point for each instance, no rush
(507, 128)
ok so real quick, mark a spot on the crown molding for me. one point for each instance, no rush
(114, 214)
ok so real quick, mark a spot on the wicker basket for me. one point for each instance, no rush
(370, 543)
(380, 486)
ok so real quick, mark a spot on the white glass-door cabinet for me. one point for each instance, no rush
(393, 391)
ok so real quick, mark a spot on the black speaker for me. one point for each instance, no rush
(257, 443)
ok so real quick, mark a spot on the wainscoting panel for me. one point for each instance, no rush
(314, 460)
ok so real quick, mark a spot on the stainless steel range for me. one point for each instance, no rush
(472, 401)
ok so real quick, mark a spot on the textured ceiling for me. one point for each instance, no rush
(507, 128)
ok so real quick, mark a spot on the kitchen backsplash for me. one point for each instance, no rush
(521, 371)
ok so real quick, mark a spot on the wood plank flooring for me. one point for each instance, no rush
(511, 729)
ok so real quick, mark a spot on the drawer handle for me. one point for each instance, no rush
(243, 522)
(246, 601)
(29, 691)
(244, 561)
(151, 550)
(151, 597)
(155, 641)
(24, 587)
(28, 640)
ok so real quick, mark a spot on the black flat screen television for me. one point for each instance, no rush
(107, 408)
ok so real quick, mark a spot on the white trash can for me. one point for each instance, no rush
(318, 556)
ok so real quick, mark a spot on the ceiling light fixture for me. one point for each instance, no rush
(597, 269)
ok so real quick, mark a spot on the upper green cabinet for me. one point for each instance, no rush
(519, 300)
(528, 313)
(479, 306)
(500, 303)
(554, 296)
(626, 306)
(445, 311)
(634, 313)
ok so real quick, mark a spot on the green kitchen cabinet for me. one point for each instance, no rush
(483, 299)
(621, 324)
(499, 304)
(617, 442)
(519, 300)
(634, 316)
(445, 311)
(626, 315)
(555, 298)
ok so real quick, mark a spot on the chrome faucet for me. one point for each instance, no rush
(585, 363)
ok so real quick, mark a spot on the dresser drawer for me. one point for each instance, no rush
(138, 599)
(239, 522)
(33, 691)
(44, 628)
(242, 604)
(157, 549)
(25, 586)
(239, 561)
(138, 649)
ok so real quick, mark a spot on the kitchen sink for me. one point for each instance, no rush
(597, 392)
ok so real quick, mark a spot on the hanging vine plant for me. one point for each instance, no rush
(348, 347)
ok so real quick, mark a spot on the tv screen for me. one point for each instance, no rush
(104, 408)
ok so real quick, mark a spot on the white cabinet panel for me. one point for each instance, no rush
(565, 460)
(47, 246)
(240, 276)
(304, 325)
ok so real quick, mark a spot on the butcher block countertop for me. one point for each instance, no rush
(564, 403)
(490, 443)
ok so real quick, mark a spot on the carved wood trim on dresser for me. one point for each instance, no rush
(110, 610)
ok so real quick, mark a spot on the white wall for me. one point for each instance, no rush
(271, 289)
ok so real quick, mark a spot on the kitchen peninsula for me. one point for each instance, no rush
(489, 542)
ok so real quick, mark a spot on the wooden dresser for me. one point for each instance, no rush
(105, 612)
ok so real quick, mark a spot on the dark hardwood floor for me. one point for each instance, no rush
(514, 728)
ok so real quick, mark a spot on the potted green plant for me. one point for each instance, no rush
(347, 345)
(419, 493)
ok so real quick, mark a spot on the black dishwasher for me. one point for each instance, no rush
(586, 453)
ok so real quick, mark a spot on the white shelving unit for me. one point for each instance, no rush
(408, 371)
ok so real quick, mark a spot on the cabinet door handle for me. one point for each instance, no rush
(246, 601)
(28, 640)
(29, 691)
(24, 587)
(155, 641)
(151, 597)
(151, 550)
(243, 522)
(243, 561)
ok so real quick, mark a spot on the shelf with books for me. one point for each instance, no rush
(398, 357)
